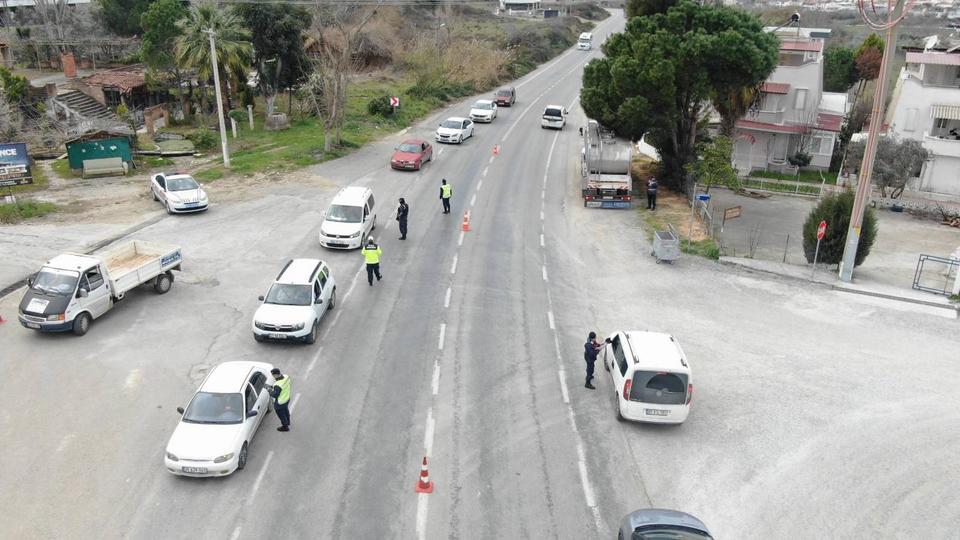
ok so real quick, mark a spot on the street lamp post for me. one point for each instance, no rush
(437, 38)
(216, 87)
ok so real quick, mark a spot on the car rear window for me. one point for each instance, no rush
(661, 388)
(668, 532)
(553, 112)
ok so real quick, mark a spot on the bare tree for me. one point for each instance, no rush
(54, 14)
(339, 33)
(11, 121)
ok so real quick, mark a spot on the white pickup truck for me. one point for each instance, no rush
(72, 289)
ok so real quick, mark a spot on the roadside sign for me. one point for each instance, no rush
(394, 101)
(821, 230)
(14, 165)
(703, 197)
(732, 212)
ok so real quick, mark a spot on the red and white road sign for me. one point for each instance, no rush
(394, 101)
(821, 230)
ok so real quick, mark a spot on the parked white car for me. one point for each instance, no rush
(484, 110)
(302, 294)
(179, 193)
(216, 428)
(651, 378)
(454, 130)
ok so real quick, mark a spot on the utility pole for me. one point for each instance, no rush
(216, 87)
(866, 168)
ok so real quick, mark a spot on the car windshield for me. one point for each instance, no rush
(452, 124)
(211, 408)
(285, 294)
(485, 105)
(584, 40)
(345, 214)
(553, 112)
(409, 147)
(659, 388)
(668, 532)
(58, 282)
(181, 184)
(503, 93)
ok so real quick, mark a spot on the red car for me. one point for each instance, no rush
(411, 154)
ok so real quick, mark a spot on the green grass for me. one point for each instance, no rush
(39, 182)
(659, 221)
(14, 213)
(62, 168)
(704, 248)
(782, 188)
(156, 162)
(805, 176)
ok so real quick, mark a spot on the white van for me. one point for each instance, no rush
(554, 116)
(650, 375)
(349, 219)
(585, 41)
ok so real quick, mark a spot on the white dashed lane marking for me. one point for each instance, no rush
(443, 333)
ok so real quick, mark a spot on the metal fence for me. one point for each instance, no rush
(936, 274)
(758, 242)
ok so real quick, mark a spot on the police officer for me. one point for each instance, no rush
(281, 398)
(652, 194)
(371, 254)
(590, 350)
(446, 191)
(402, 212)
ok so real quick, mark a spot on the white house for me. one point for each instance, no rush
(925, 106)
(795, 114)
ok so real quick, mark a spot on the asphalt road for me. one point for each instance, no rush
(816, 415)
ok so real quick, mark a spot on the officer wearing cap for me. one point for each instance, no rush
(281, 398)
(590, 350)
(371, 255)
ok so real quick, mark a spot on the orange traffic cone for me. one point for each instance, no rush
(466, 222)
(2, 320)
(496, 149)
(424, 485)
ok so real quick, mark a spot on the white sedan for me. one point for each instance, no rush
(179, 193)
(215, 431)
(455, 130)
(484, 110)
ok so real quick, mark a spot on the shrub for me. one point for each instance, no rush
(202, 139)
(380, 105)
(800, 159)
(238, 115)
(835, 210)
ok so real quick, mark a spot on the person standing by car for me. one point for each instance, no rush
(402, 212)
(652, 194)
(371, 254)
(446, 191)
(280, 391)
(590, 351)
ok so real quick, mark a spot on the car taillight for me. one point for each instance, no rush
(626, 197)
(589, 197)
(689, 393)
(626, 389)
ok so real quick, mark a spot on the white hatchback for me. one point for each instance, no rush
(454, 130)
(179, 193)
(651, 379)
(215, 430)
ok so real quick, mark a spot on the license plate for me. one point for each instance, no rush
(195, 470)
(656, 412)
(33, 325)
(191, 204)
(278, 336)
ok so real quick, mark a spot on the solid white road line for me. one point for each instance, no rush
(485, 172)
(422, 501)
(313, 362)
(443, 333)
(263, 471)
(550, 320)
(236, 533)
(491, 159)
(440, 151)
(353, 283)
(428, 433)
(293, 404)
(563, 385)
(544, 271)
(473, 200)
(446, 300)
(460, 241)
(479, 183)
(453, 268)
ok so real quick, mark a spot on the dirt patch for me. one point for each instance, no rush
(673, 209)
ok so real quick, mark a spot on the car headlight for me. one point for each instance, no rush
(203, 198)
(299, 326)
(259, 325)
(225, 457)
(172, 457)
(57, 317)
(356, 234)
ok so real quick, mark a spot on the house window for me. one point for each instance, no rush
(821, 143)
(911, 121)
(800, 101)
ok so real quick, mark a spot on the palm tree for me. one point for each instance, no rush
(234, 51)
(733, 104)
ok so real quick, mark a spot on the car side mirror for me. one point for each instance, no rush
(180, 410)
(30, 282)
(318, 300)
(82, 293)
(260, 298)
(251, 414)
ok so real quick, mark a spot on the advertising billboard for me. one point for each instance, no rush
(14, 165)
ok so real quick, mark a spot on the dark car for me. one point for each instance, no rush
(411, 154)
(505, 97)
(661, 524)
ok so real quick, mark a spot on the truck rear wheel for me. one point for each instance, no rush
(81, 324)
(163, 283)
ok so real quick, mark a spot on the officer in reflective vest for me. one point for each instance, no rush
(446, 190)
(371, 254)
(281, 398)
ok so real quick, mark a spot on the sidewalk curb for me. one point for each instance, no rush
(5, 291)
(842, 288)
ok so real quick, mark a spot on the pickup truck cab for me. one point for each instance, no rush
(71, 290)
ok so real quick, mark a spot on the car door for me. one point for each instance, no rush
(426, 152)
(468, 127)
(618, 371)
(97, 301)
(325, 283)
(258, 382)
(159, 186)
(252, 402)
(319, 298)
(494, 110)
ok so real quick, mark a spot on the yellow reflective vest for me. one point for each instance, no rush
(446, 190)
(284, 385)
(371, 254)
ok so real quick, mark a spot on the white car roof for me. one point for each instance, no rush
(554, 107)
(351, 196)
(175, 176)
(72, 261)
(484, 101)
(298, 271)
(456, 118)
(656, 351)
(229, 376)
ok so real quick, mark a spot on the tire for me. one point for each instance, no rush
(258, 338)
(163, 283)
(154, 193)
(333, 300)
(619, 414)
(460, 139)
(419, 165)
(312, 336)
(374, 227)
(81, 324)
(166, 206)
(242, 458)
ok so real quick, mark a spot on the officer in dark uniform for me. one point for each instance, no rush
(402, 212)
(652, 194)
(590, 350)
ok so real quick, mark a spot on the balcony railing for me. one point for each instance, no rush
(941, 147)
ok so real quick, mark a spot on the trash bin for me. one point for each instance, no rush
(666, 245)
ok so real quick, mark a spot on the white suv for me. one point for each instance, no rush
(651, 377)
(300, 296)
